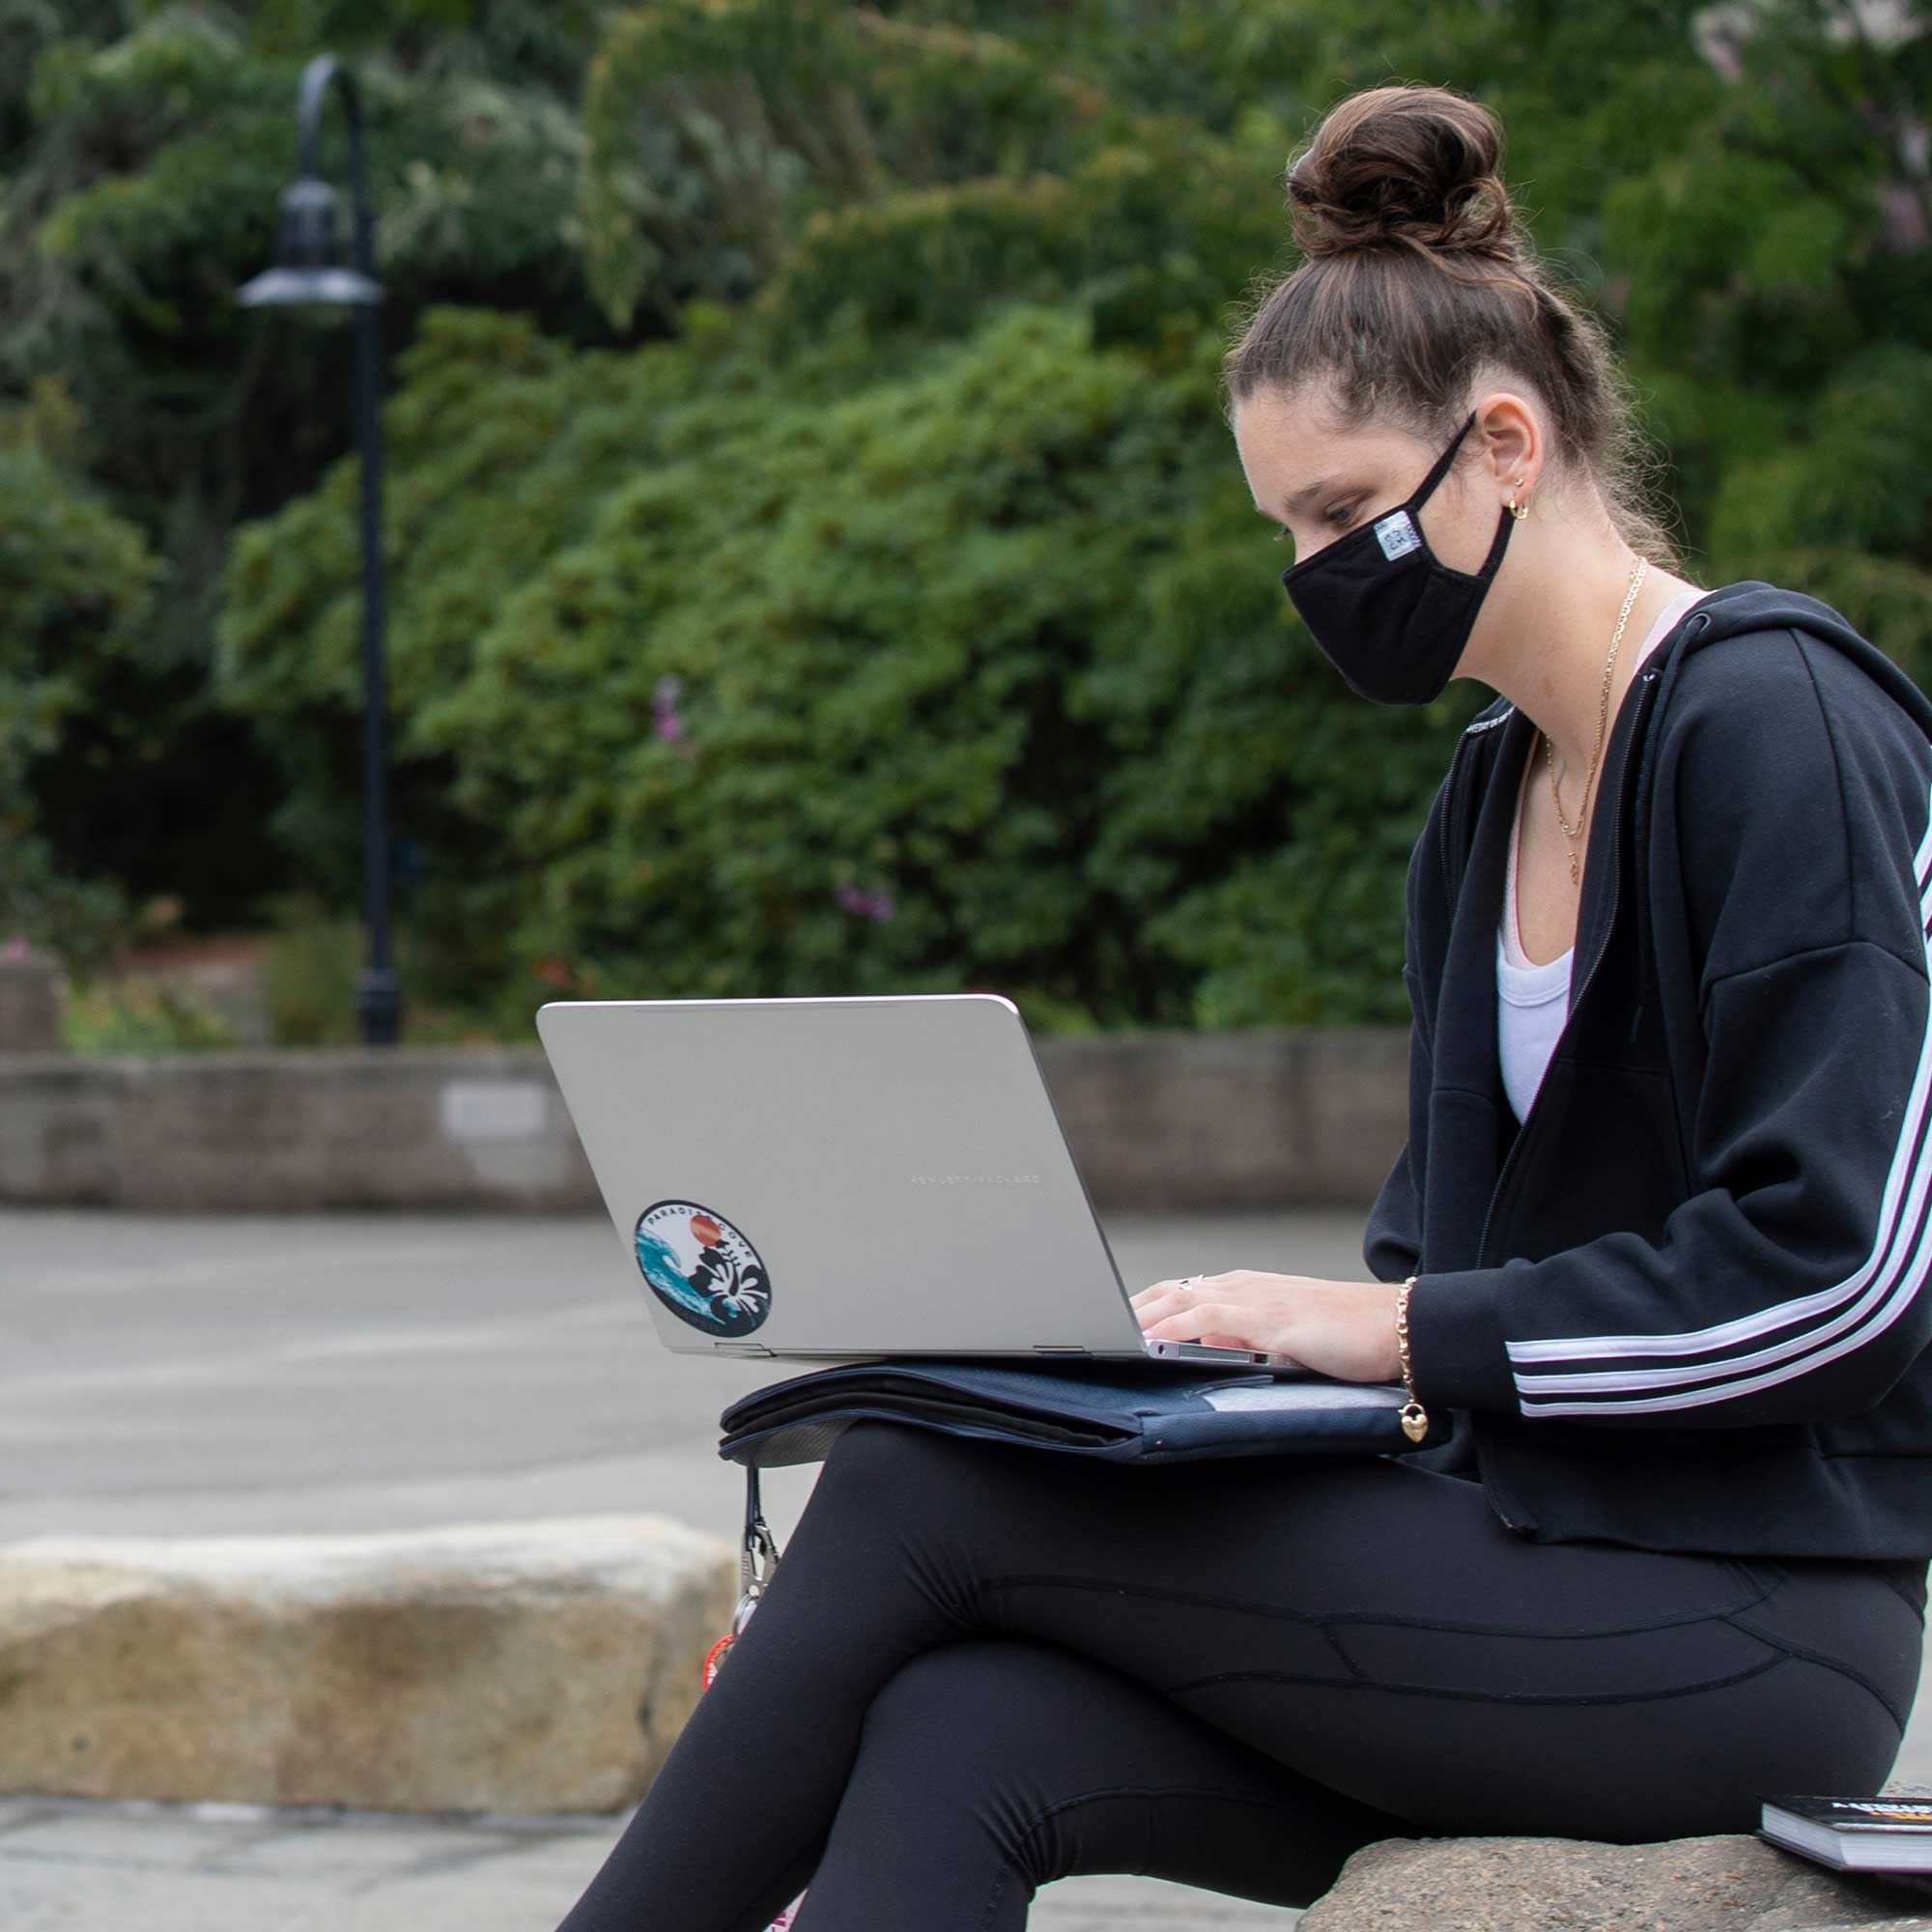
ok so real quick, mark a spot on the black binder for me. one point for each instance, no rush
(1118, 1410)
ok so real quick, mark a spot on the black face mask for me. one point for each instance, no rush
(1388, 613)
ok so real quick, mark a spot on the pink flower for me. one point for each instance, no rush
(866, 905)
(669, 726)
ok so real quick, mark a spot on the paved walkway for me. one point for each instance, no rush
(67, 1866)
(188, 1376)
(178, 1376)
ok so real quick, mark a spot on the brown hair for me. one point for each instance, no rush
(1419, 275)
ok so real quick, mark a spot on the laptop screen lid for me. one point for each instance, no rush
(841, 1177)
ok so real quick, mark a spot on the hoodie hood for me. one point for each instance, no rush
(1498, 738)
(1753, 604)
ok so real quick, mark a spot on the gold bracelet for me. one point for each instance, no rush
(1414, 1418)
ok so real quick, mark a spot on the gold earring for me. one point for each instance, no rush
(1517, 510)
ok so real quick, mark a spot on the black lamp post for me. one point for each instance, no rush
(309, 274)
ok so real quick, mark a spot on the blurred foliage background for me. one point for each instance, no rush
(817, 562)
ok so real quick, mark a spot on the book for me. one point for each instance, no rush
(1890, 1833)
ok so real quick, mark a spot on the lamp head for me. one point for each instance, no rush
(309, 270)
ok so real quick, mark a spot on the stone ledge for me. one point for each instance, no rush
(516, 1666)
(1735, 1881)
(1157, 1121)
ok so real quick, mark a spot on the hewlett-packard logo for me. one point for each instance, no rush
(954, 1179)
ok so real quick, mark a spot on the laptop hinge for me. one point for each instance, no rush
(741, 1349)
(1061, 1349)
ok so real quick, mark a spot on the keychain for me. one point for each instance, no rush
(756, 1560)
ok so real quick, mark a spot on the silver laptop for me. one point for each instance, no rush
(846, 1180)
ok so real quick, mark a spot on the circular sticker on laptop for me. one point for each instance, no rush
(703, 1268)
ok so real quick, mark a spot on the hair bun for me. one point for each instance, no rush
(1402, 165)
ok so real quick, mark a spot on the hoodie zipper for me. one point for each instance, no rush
(1649, 685)
(1442, 826)
(1649, 678)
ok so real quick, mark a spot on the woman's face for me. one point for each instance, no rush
(1314, 485)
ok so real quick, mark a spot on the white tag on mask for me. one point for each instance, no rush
(1397, 534)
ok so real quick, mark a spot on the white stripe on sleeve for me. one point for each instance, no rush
(1861, 1306)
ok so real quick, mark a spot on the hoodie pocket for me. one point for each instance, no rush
(1614, 1145)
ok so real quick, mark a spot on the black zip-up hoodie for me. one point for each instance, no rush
(1685, 1305)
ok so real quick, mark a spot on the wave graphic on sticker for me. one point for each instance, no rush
(703, 1268)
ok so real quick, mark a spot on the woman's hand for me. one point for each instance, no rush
(1342, 1328)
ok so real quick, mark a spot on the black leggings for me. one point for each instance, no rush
(979, 1666)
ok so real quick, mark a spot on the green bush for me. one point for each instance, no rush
(741, 681)
(136, 1015)
(308, 972)
(309, 975)
(904, 623)
(718, 130)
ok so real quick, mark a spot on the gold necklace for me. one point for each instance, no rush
(1570, 832)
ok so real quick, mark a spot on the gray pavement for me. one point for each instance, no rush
(67, 1866)
(193, 1375)
(184, 1376)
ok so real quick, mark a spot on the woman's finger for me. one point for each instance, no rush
(1184, 1284)
(1187, 1324)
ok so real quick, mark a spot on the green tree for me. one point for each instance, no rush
(817, 558)
(149, 147)
(76, 587)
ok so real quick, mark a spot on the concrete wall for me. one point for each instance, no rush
(30, 1000)
(1156, 1122)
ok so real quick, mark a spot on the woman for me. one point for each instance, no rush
(1655, 1242)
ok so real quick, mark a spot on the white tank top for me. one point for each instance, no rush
(1533, 1001)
